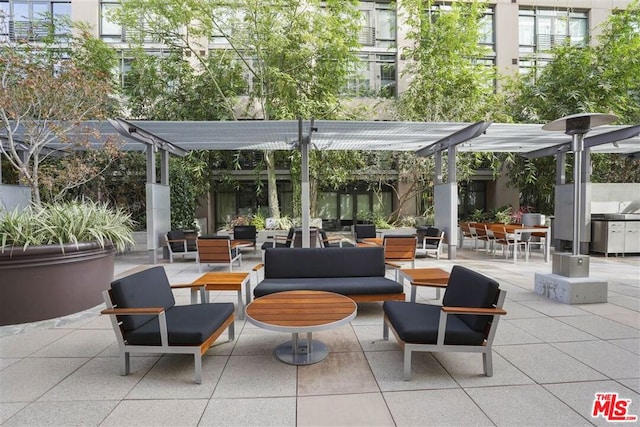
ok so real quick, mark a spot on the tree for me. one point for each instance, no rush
(596, 78)
(298, 54)
(46, 91)
(448, 82)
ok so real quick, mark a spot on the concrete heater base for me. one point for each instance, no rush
(571, 290)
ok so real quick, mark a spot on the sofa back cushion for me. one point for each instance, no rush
(467, 288)
(323, 262)
(147, 288)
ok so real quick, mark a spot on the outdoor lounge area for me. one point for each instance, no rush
(549, 361)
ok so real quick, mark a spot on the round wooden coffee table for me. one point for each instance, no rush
(301, 312)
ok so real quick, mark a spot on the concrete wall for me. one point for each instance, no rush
(14, 196)
(615, 198)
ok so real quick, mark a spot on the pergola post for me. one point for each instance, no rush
(446, 193)
(305, 204)
(158, 201)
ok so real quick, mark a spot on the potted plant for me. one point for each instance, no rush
(55, 259)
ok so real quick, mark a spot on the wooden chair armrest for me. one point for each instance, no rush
(176, 240)
(282, 239)
(473, 310)
(392, 265)
(258, 267)
(139, 310)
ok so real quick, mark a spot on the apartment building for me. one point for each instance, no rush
(518, 33)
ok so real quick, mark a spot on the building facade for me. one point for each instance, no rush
(518, 34)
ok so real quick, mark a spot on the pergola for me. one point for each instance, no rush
(423, 138)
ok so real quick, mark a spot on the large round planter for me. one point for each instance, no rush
(47, 281)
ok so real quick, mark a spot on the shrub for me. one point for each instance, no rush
(69, 222)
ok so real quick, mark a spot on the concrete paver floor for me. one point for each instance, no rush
(550, 359)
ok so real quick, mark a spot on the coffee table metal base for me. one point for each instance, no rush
(302, 351)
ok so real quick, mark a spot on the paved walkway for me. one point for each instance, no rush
(550, 360)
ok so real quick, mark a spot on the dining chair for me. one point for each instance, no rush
(468, 231)
(484, 235)
(507, 240)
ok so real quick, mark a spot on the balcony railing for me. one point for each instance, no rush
(367, 36)
(546, 42)
(35, 30)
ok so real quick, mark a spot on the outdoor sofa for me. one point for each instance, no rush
(358, 273)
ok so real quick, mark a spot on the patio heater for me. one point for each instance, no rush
(576, 125)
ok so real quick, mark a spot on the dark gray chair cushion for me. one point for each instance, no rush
(418, 324)
(340, 285)
(467, 288)
(186, 325)
(364, 231)
(320, 262)
(176, 235)
(147, 288)
(245, 232)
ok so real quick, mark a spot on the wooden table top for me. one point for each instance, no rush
(215, 278)
(301, 311)
(430, 276)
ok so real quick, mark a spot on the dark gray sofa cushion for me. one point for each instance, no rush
(372, 285)
(321, 262)
(467, 288)
(147, 288)
(418, 324)
(186, 325)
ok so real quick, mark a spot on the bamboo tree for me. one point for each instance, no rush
(298, 54)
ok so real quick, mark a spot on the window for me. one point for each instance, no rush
(471, 197)
(378, 25)
(542, 29)
(226, 22)
(33, 20)
(374, 75)
(109, 30)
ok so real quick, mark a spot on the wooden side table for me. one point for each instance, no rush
(432, 277)
(224, 281)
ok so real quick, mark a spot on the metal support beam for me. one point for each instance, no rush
(438, 167)
(561, 168)
(452, 226)
(305, 202)
(591, 141)
(465, 134)
(164, 167)
(151, 165)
